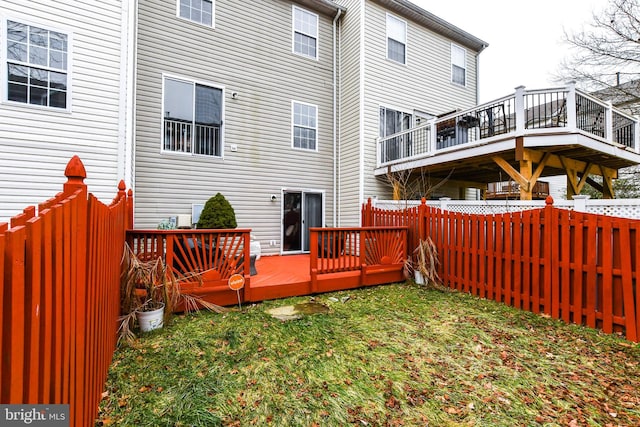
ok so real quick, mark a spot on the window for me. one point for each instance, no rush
(305, 127)
(192, 118)
(458, 65)
(305, 33)
(200, 11)
(391, 122)
(36, 65)
(396, 39)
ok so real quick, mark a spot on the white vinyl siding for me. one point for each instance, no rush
(199, 11)
(396, 39)
(305, 33)
(386, 84)
(36, 65)
(458, 65)
(258, 157)
(192, 118)
(36, 141)
(304, 126)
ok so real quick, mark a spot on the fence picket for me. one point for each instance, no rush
(14, 315)
(629, 311)
(578, 267)
(607, 282)
(51, 345)
(33, 289)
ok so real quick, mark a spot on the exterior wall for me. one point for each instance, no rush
(423, 83)
(368, 80)
(249, 51)
(37, 142)
(350, 132)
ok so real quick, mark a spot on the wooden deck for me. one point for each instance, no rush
(281, 277)
(340, 258)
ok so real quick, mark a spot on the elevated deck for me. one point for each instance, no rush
(523, 136)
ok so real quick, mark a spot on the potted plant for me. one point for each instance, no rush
(150, 291)
(426, 262)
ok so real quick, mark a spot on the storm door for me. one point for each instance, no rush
(301, 210)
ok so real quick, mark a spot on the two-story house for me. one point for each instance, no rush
(278, 105)
(66, 73)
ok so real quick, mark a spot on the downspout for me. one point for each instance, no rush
(335, 119)
(478, 78)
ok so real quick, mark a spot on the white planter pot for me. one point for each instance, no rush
(150, 320)
(418, 277)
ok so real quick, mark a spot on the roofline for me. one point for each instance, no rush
(434, 23)
(326, 7)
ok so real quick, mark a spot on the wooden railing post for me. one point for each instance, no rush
(313, 258)
(130, 218)
(572, 119)
(247, 266)
(608, 122)
(520, 113)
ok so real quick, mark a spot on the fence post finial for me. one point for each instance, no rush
(548, 200)
(75, 173)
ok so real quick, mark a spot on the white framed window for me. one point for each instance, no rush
(305, 33)
(200, 11)
(192, 117)
(396, 39)
(304, 126)
(458, 65)
(37, 65)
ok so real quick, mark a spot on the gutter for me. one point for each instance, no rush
(335, 118)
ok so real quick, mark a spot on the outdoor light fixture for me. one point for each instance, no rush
(273, 198)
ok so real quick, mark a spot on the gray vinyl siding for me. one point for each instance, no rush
(424, 83)
(36, 143)
(249, 52)
(350, 98)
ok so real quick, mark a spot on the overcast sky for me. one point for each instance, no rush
(525, 37)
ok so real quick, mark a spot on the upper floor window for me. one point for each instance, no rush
(396, 39)
(305, 126)
(200, 11)
(37, 61)
(305, 33)
(458, 65)
(192, 118)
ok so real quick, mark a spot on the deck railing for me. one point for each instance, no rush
(199, 258)
(60, 298)
(527, 112)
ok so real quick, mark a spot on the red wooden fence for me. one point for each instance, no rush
(578, 267)
(60, 297)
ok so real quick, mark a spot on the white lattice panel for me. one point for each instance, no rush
(623, 208)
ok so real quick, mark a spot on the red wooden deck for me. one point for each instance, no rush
(340, 258)
(289, 275)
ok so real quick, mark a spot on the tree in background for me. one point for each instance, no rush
(605, 60)
(605, 55)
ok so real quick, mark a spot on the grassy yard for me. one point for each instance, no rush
(391, 355)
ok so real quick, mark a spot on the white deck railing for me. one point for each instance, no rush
(527, 112)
